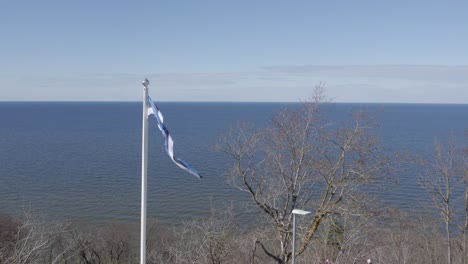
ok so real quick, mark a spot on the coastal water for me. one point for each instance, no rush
(82, 160)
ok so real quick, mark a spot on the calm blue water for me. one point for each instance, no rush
(82, 160)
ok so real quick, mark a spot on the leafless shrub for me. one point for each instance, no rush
(161, 243)
(32, 240)
(8, 231)
(108, 244)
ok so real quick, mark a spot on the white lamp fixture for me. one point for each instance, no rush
(300, 212)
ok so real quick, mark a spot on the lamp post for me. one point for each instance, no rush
(295, 212)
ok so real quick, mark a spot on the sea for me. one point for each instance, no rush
(81, 161)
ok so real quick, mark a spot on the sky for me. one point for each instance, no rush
(262, 51)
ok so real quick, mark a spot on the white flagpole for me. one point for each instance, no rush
(144, 168)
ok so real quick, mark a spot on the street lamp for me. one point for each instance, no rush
(295, 212)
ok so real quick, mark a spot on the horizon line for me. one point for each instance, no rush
(227, 102)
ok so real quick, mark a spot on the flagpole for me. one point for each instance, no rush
(144, 169)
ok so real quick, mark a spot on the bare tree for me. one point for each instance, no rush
(464, 172)
(357, 241)
(431, 239)
(303, 161)
(441, 175)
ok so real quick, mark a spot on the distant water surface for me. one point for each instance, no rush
(82, 160)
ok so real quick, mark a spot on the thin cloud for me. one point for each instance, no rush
(345, 83)
(431, 73)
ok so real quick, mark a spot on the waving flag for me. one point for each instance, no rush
(169, 143)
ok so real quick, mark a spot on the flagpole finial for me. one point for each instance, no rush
(146, 82)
